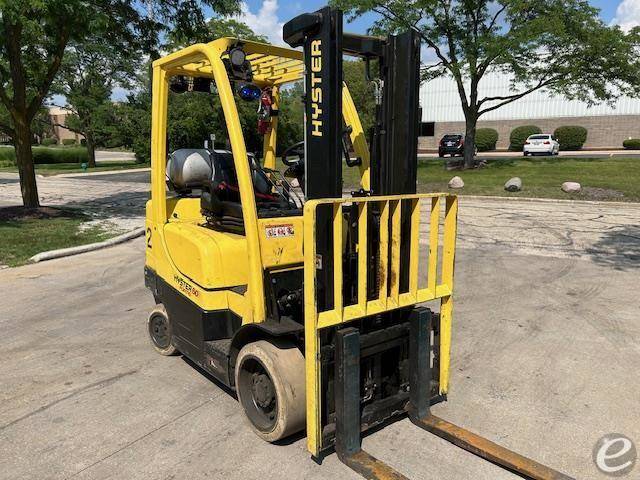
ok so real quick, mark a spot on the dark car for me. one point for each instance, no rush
(451, 144)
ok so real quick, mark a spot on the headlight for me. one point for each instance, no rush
(237, 57)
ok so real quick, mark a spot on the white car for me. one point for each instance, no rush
(542, 143)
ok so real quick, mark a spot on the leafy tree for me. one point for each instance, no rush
(33, 38)
(191, 116)
(558, 45)
(89, 72)
(214, 28)
(133, 124)
(290, 117)
(183, 19)
(34, 35)
(361, 92)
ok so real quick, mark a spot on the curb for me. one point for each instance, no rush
(66, 252)
(98, 174)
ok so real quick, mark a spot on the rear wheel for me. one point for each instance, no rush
(160, 331)
(270, 383)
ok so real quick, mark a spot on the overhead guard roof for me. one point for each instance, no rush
(270, 64)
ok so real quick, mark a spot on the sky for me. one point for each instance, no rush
(267, 16)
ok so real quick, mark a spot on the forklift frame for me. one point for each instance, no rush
(397, 260)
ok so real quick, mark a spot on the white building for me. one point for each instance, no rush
(607, 125)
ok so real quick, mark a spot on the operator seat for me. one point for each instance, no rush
(213, 173)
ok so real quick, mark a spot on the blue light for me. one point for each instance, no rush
(249, 91)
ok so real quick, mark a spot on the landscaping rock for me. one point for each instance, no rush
(571, 187)
(456, 182)
(513, 184)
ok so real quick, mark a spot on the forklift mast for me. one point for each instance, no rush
(393, 177)
(393, 139)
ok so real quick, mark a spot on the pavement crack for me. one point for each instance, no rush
(99, 384)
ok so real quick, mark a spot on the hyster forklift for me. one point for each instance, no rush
(307, 302)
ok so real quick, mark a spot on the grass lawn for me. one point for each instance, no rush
(27, 232)
(57, 168)
(614, 178)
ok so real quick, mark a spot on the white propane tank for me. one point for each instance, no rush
(189, 168)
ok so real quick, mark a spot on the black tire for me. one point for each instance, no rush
(270, 383)
(160, 331)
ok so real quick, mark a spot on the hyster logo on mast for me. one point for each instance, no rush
(316, 88)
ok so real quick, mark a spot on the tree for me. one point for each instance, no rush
(183, 19)
(89, 72)
(192, 116)
(558, 45)
(33, 39)
(291, 116)
(214, 28)
(34, 35)
(361, 92)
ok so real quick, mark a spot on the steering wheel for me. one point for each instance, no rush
(296, 149)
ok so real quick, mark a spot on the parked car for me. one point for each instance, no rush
(452, 144)
(542, 143)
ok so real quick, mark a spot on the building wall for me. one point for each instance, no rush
(607, 124)
(440, 102)
(58, 118)
(603, 131)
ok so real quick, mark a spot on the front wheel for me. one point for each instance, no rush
(160, 331)
(270, 383)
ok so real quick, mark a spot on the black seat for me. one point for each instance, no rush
(220, 199)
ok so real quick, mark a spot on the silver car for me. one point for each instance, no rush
(542, 144)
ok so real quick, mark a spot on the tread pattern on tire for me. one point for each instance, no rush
(285, 365)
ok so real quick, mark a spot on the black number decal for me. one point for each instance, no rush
(148, 238)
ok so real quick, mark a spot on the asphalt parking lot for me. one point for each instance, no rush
(545, 355)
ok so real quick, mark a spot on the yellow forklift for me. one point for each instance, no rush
(306, 301)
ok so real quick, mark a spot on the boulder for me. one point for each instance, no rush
(513, 184)
(456, 182)
(571, 187)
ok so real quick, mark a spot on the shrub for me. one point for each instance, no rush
(69, 141)
(47, 142)
(519, 135)
(47, 155)
(486, 139)
(7, 157)
(42, 155)
(571, 137)
(632, 144)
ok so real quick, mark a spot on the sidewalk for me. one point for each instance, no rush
(118, 203)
